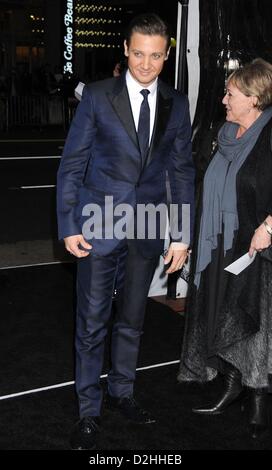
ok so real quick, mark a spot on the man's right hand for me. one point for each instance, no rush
(72, 245)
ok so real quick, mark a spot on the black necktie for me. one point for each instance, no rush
(144, 125)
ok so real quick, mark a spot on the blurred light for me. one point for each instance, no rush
(95, 45)
(231, 65)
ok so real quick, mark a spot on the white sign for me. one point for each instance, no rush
(68, 37)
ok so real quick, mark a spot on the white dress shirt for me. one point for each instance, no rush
(136, 98)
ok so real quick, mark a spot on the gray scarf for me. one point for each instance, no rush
(219, 208)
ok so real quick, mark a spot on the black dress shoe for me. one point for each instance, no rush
(84, 433)
(129, 408)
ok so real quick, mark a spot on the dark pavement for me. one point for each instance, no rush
(29, 213)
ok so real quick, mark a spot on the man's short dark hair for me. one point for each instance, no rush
(149, 24)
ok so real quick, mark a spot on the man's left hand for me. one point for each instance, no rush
(177, 253)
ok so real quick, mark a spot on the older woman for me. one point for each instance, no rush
(229, 320)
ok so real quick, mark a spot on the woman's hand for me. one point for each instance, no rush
(260, 240)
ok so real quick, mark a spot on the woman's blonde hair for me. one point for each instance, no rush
(255, 79)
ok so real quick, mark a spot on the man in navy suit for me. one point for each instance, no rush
(128, 133)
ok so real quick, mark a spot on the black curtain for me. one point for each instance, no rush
(182, 84)
(232, 30)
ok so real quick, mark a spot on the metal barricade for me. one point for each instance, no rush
(34, 110)
(27, 110)
(3, 113)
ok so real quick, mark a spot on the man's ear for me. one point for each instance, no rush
(167, 53)
(125, 48)
(255, 101)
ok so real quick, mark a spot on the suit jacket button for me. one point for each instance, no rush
(137, 185)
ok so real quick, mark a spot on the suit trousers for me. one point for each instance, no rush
(97, 276)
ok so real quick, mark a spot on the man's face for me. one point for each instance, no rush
(146, 55)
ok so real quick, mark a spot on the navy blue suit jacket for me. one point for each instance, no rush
(102, 157)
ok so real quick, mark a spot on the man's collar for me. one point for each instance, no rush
(135, 87)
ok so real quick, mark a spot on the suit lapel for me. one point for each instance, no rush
(121, 104)
(163, 111)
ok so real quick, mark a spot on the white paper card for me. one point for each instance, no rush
(240, 264)
(79, 90)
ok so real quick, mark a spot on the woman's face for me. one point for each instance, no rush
(238, 105)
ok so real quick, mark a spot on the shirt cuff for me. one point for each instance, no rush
(179, 246)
